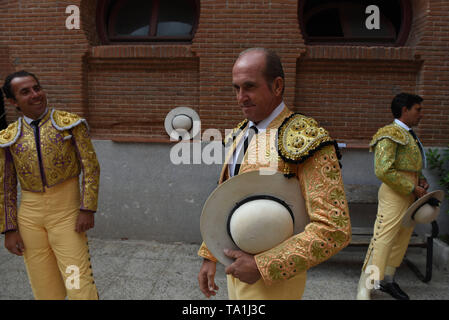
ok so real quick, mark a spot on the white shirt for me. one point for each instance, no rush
(29, 120)
(261, 127)
(406, 127)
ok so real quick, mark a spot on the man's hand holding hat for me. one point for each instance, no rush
(244, 267)
(206, 278)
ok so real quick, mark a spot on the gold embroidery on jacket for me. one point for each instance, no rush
(65, 151)
(10, 133)
(8, 192)
(397, 158)
(321, 184)
(299, 136)
(329, 230)
(391, 131)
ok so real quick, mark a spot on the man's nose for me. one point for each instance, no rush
(241, 96)
(34, 93)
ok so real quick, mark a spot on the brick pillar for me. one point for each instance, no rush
(228, 27)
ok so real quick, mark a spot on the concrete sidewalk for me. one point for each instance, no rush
(136, 270)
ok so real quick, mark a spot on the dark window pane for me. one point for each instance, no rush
(176, 18)
(326, 23)
(133, 18)
(345, 21)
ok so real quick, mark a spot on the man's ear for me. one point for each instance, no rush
(403, 110)
(278, 86)
(14, 103)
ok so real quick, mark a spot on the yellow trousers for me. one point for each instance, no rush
(56, 256)
(291, 289)
(390, 239)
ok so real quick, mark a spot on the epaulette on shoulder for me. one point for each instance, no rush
(392, 132)
(235, 132)
(10, 135)
(63, 120)
(299, 137)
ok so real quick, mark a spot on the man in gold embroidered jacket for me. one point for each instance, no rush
(295, 145)
(398, 163)
(46, 150)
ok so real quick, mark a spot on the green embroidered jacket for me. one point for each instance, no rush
(397, 158)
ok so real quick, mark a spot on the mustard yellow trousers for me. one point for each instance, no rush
(56, 256)
(390, 239)
(291, 289)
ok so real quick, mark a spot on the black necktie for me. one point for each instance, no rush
(251, 132)
(416, 140)
(35, 125)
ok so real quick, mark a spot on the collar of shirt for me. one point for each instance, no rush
(261, 127)
(29, 120)
(402, 124)
(421, 147)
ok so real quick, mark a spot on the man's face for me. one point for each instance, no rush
(254, 95)
(29, 96)
(413, 116)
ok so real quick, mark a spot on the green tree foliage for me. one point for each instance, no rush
(439, 161)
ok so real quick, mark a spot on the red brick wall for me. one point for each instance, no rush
(351, 98)
(38, 41)
(228, 27)
(125, 91)
(132, 99)
(5, 62)
(433, 82)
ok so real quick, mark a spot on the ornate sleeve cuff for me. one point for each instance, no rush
(205, 253)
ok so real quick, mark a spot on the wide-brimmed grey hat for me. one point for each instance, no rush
(424, 210)
(252, 212)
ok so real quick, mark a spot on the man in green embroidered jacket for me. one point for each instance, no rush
(398, 162)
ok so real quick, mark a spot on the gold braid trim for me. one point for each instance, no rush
(392, 132)
(235, 132)
(205, 253)
(9, 135)
(63, 120)
(298, 138)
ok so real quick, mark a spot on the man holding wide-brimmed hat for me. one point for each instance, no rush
(398, 163)
(297, 148)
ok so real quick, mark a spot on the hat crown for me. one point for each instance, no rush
(259, 225)
(183, 122)
(424, 210)
(426, 213)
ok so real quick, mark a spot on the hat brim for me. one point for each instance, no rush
(182, 134)
(218, 206)
(407, 221)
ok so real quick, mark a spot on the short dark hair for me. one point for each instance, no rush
(404, 100)
(273, 66)
(18, 74)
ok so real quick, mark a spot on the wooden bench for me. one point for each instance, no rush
(361, 237)
(361, 197)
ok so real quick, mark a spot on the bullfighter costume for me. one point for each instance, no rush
(398, 163)
(306, 152)
(48, 165)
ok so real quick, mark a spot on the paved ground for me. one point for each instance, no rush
(149, 270)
